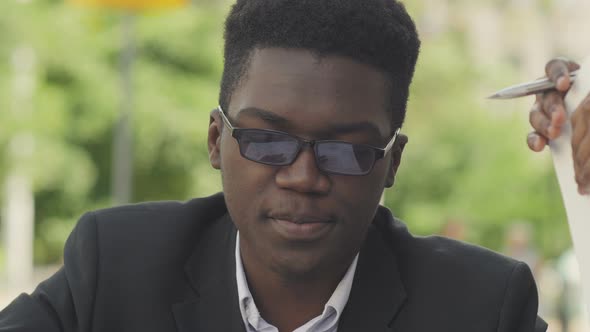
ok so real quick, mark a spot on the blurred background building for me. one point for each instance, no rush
(63, 88)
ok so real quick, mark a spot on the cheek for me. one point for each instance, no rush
(243, 182)
(240, 174)
(366, 189)
(234, 168)
(364, 193)
(360, 197)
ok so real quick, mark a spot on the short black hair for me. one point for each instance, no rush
(374, 32)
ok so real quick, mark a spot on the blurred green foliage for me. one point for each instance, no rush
(462, 160)
(468, 163)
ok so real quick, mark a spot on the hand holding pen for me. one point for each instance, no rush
(549, 114)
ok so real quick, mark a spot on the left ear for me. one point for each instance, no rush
(214, 139)
(396, 158)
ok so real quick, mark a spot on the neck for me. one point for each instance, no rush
(301, 298)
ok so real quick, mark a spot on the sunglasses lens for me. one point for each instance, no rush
(267, 147)
(279, 149)
(345, 158)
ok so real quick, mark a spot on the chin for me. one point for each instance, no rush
(299, 267)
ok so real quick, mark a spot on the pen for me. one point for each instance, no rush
(528, 88)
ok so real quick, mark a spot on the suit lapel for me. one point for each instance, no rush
(211, 272)
(377, 292)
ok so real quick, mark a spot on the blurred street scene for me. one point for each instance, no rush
(102, 106)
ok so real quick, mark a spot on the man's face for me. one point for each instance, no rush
(295, 219)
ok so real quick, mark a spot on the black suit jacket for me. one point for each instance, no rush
(170, 266)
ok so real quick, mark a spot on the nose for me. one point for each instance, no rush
(303, 175)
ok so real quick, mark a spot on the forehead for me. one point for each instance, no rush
(313, 91)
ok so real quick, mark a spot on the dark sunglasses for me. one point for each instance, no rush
(277, 148)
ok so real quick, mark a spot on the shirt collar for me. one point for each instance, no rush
(250, 313)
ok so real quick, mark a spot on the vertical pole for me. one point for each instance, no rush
(18, 229)
(122, 166)
(19, 207)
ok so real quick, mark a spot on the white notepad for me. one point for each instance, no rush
(576, 206)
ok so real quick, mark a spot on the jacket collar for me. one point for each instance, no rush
(376, 297)
(211, 272)
(377, 293)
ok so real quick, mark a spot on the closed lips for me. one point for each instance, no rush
(301, 219)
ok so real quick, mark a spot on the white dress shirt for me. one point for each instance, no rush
(326, 322)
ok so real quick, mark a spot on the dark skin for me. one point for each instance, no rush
(548, 115)
(291, 278)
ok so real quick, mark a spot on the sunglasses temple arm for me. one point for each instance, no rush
(392, 141)
(225, 119)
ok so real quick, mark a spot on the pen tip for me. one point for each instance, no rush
(494, 96)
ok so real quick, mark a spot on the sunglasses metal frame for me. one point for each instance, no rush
(379, 152)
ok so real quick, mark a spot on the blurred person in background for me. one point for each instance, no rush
(454, 228)
(519, 244)
(571, 309)
(306, 138)
(518, 241)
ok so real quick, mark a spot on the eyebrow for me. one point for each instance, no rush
(332, 129)
(266, 116)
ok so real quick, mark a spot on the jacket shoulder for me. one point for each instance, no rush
(151, 214)
(487, 288)
(458, 260)
(147, 237)
(484, 287)
(156, 221)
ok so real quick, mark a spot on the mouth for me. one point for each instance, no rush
(301, 228)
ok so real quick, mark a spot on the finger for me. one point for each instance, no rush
(558, 70)
(583, 178)
(582, 163)
(580, 123)
(540, 121)
(582, 151)
(581, 144)
(536, 142)
(554, 107)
